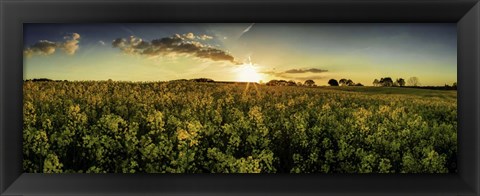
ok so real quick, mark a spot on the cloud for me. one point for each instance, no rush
(132, 45)
(192, 36)
(205, 37)
(42, 47)
(185, 44)
(45, 47)
(312, 70)
(314, 77)
(198, 37)
(70, 46)
(298, 74)
(101, 43)
(189, 36)
(246, 30)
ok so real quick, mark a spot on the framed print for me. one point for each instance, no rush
(197, 101)
(236, 98)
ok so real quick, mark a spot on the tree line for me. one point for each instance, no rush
(311, 83)
(387, 81)
(412, 82)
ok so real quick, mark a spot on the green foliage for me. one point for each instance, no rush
(188, 127)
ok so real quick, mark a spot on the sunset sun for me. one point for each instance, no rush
(247, 73)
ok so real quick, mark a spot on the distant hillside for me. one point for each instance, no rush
(44, 80)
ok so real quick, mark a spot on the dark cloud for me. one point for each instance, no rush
(314, 77)
(45, 47)
(295, 74)
(312, 70)
(187, 44)
(42, 47)
(131, 46)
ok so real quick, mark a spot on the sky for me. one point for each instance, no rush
(248, 52)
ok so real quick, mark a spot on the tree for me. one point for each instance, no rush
(376, 82)
(401, 82)
(350, 83)
(203, 80)
(282, 83)
(292, 83)
(386, 81)
(343, 81)
(272, 83)
(359, 84)
(413, 81)
(309, 83)
(333, 82)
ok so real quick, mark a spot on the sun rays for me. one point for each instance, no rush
(248, 73)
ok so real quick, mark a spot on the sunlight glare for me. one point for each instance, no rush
(247, 73)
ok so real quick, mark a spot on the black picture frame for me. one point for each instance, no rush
(13, 13)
